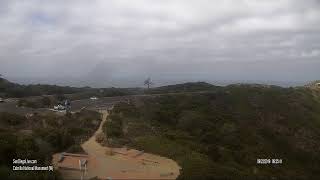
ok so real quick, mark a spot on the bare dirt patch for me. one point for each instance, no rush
(122, 163)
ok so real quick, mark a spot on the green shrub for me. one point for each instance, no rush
(11, 119)
(221, 134)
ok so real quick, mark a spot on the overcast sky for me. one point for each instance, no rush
(121, 42)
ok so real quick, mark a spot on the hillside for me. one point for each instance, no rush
(315, 85)
(10, 89)
(39, 136)
(222, 133)
(185, 87)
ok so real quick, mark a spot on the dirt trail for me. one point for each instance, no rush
(121, 166)
(92, 147)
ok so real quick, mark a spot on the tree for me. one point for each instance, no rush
(148, 82)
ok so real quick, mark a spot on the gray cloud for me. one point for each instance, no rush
(120, 42)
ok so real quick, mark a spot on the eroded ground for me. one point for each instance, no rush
(122, 164)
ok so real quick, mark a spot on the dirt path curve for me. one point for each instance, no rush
(121, 166)
(92, 147)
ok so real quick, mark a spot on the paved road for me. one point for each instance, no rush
(102, 103)
(114, 166)
(11, 105)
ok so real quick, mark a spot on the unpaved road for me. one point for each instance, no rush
(125, 167)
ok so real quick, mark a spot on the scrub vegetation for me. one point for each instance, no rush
(222, 132)
(39, 136)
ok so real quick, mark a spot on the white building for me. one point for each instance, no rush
(59, 107)
(93, 98)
